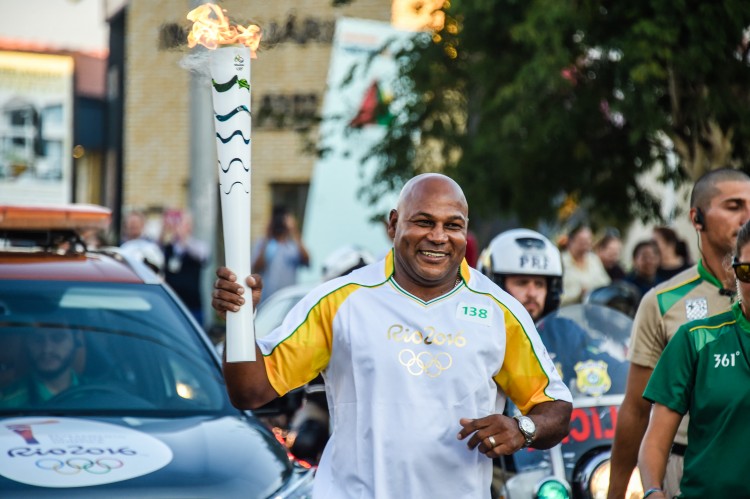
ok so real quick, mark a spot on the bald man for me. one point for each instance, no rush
(419, 353)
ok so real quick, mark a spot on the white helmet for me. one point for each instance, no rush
(344, 260)
(524, 252)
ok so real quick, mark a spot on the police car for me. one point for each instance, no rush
(108, 387)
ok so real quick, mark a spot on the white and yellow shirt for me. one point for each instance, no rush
(401, 372)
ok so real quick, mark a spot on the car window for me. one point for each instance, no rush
(102, 347)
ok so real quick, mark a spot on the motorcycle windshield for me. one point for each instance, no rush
(588, 344)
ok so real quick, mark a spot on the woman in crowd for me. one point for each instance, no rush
(582, 269)
(609, 250)
(645, 266)
(673, 251)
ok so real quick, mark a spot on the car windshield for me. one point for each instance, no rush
(102, 348)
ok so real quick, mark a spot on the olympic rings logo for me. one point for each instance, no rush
(75, 465)
(425, 362)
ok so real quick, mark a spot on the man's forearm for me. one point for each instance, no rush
(552, 420)
(248, 385)
(632, 420)
(654, 451)
(631, 426)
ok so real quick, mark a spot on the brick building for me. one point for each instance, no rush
(161, 120)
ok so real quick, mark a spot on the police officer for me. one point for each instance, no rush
(528, 266)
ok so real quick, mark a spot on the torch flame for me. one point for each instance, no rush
(211, 28)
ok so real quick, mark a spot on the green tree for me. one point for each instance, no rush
(538, 105)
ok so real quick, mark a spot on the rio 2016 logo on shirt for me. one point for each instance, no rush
(430, 336)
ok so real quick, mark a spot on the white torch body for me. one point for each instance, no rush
(230, 72)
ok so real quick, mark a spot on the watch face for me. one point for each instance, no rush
(527, 425)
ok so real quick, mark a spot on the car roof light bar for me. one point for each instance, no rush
(54, 217)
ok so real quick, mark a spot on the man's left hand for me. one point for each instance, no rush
(506, 436)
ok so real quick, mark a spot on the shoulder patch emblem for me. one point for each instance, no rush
(697, 308)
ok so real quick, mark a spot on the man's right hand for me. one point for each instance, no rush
(228, 295)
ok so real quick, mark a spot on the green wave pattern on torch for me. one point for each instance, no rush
(223, 87)
(238, 109)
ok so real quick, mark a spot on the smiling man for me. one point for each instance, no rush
(419, 353)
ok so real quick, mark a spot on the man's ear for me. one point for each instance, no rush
(392, 220)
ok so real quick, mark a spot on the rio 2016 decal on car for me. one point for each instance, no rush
(65, 452)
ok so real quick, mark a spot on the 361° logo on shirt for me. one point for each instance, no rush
(725, 359)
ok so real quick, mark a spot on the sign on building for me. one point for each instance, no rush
(357, 105)
(36, 127)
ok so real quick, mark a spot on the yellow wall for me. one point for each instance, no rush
(157, 109)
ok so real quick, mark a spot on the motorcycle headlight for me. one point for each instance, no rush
(599, 483)
(552, 488)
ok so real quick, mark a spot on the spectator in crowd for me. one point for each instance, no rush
(645, 265)
(675, 256)
(185, 258)
(719, 206)
(281, 253)
(582, 269)
(703, 371)
(138, 245)
(609, 250)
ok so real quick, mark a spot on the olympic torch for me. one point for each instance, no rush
(232, 47)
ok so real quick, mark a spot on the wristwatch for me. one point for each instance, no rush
(528, 429)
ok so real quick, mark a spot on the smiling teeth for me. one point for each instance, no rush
(430, 253)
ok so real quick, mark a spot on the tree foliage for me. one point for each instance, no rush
(539, 105)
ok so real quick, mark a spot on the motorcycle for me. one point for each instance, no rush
(588, 344)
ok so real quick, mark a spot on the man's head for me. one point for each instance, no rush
(184, 226)
(429, 229)
(52, 351)
(719, 206)
(528, 266)
(741, 267)
(135, 224)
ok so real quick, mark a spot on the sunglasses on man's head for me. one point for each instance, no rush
(741, 270)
